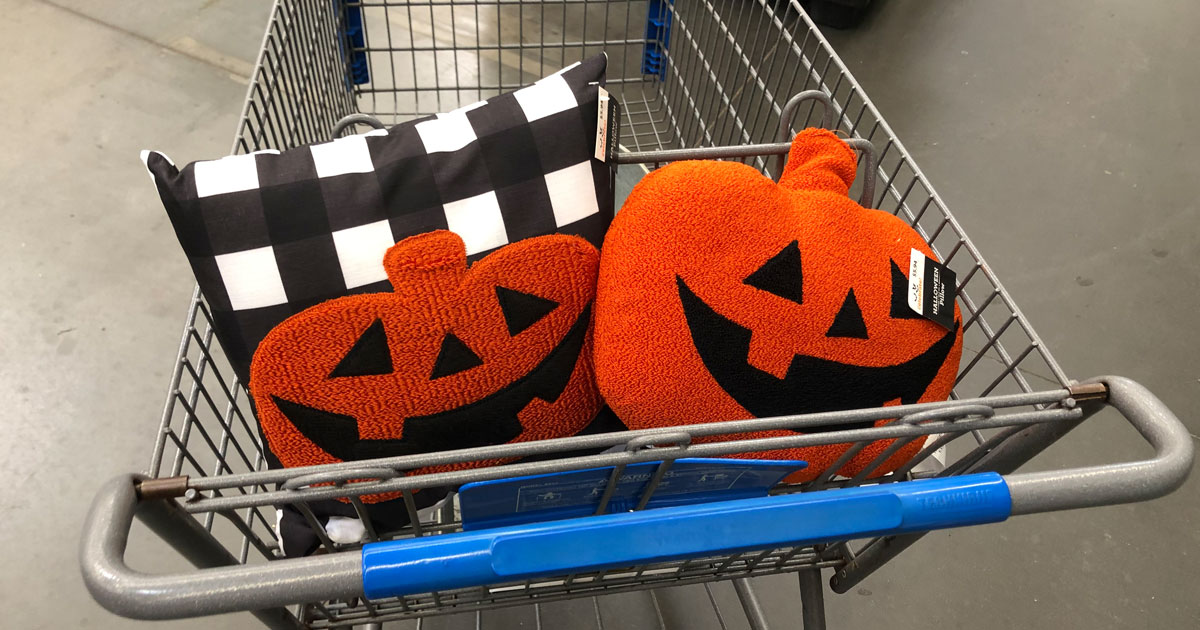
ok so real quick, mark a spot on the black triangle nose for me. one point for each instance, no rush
(848, 322)
(454, 357)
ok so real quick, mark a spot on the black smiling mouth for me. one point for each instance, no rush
(485, 422)
(811, 384)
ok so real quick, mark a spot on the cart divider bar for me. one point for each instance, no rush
(605, 440)
(419, 565)
(709, 449)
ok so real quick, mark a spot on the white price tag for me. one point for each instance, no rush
(916, 281)
(602, 125)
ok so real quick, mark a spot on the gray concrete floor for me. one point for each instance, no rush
(1061, 134)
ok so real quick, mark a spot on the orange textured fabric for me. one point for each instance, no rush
(454, 358)
(723, 295)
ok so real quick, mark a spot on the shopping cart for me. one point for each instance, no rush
(695, 78)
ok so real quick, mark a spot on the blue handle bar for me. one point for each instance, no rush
(505, 554)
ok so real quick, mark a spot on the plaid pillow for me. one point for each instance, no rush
(271, 233)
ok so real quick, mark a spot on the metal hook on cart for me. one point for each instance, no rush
(674, 440)
(354, 119)
(340, 476)
(668, 444)
(787, 115)
(866, 197)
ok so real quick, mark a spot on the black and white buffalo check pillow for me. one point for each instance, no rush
(271, 233)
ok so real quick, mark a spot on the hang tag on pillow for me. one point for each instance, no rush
(608, 126)
(931, 289)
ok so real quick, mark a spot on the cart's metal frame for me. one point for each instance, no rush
(728, 68)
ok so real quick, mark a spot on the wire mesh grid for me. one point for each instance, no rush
(301, 85)
(727, 68)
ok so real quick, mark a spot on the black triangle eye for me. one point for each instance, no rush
(522, 310)
(369, 356)
(848, 322)
(781, 275)
(900, 309)
(454, 357)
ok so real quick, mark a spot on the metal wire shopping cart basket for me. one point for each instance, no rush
(695, 78)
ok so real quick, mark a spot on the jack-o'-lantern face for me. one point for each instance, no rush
(724, 296)
(832, 379)
(453, 358)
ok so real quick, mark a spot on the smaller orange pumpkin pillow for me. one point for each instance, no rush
(724, 296)
(455, 357)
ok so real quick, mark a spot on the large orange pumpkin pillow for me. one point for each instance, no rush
(723, 296)
(455, 357)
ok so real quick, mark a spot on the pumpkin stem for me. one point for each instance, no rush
(426, 263)
(819, 160)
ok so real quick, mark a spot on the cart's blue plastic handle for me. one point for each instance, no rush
(419, 565)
